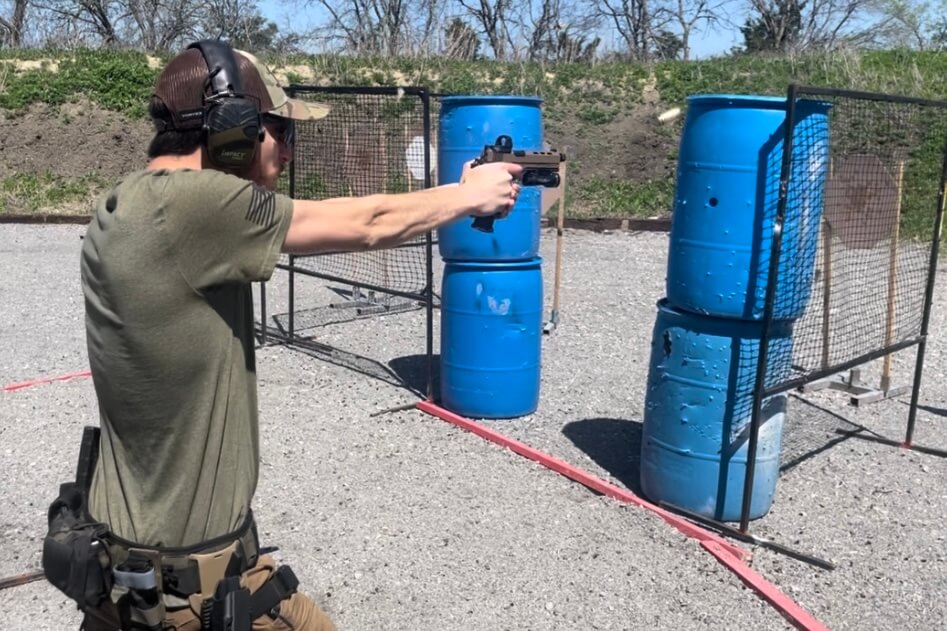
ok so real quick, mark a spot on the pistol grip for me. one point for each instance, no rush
(484, 224)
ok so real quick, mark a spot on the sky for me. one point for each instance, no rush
(703, 45)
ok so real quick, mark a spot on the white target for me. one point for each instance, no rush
(414, 157)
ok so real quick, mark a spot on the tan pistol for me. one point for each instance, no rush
(540, 168)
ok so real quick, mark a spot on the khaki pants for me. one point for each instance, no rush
(298, 613)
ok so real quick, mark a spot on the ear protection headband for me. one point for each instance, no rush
(232, 123)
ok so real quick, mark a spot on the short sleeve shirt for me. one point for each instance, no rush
(167, 265)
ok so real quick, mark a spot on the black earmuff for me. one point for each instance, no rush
(232, 124)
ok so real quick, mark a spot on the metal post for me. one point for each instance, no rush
(292, 297)
(428, 250)
(263, 313)
(928, 300)
(826, 291)
(292, 277)
(768, 309)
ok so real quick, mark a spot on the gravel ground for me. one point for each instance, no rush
(400, 520)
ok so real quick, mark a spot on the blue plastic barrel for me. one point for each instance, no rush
(726, 201)
(698, 408)
(466, 125)
(491, 332)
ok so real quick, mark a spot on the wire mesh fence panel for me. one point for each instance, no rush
(860, 213)
(371, 142)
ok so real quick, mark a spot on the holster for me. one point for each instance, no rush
(229, 610)
(75, 552)
(114, 578)
(75, 549)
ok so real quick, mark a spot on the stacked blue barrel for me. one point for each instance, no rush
(706, 339)
(492, 289)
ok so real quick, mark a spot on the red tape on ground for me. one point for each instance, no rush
(801, 618)
(731, 556)
(582, 477)
(37, 382)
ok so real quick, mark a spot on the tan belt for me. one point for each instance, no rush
(146, 579)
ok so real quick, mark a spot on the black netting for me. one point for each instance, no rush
(860, 191)
(371, 142)
(861, 204)
(811, 429)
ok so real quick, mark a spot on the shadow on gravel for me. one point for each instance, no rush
(928, 408)
(614, 444)
(352, 361)
(342, 312)
(412, 370)
(814, 429)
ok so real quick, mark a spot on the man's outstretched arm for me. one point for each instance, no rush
(385, 220)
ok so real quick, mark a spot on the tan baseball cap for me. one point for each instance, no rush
(284, 106)
(181, 86)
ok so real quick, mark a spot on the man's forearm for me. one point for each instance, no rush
(400, 218)
(373, 221)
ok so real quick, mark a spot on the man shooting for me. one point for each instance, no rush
(167, 264)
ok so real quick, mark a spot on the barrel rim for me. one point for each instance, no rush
(761, 99)
(753, 328)
(459, 98)
(532, 262)
(766, 98)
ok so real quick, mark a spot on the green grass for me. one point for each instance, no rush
(595, 95)
(920, 185)
(605, 198)
(118, 81)
(307, 186)
(31, 192)
(122, 80)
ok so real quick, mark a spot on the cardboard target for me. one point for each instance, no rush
(862, 200)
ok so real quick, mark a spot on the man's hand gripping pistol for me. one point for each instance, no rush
(540, 168)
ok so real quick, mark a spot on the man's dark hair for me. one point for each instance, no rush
(171, 142)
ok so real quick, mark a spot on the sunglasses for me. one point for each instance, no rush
(282, 129)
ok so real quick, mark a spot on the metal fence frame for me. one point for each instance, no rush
(761, 391)
(426, 295)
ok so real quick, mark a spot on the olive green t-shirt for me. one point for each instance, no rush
(166, 266)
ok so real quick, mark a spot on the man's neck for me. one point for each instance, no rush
(189, 161)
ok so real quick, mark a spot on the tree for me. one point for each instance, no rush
(919, 25)
(776, 26)
(542, 28)
(575, 48)
(907, 27)
(632, 20)
(93, 17)
(162, 25)
(807, 25)
(241, 24)
(153, 25)
(462, 41)
(938, 37)
(492, 17)
(686, 15)
(557, 31)
(380, 27)
(667, 45)
(11, 30)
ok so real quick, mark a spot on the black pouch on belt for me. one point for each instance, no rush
(75, 552)
(230, 608)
